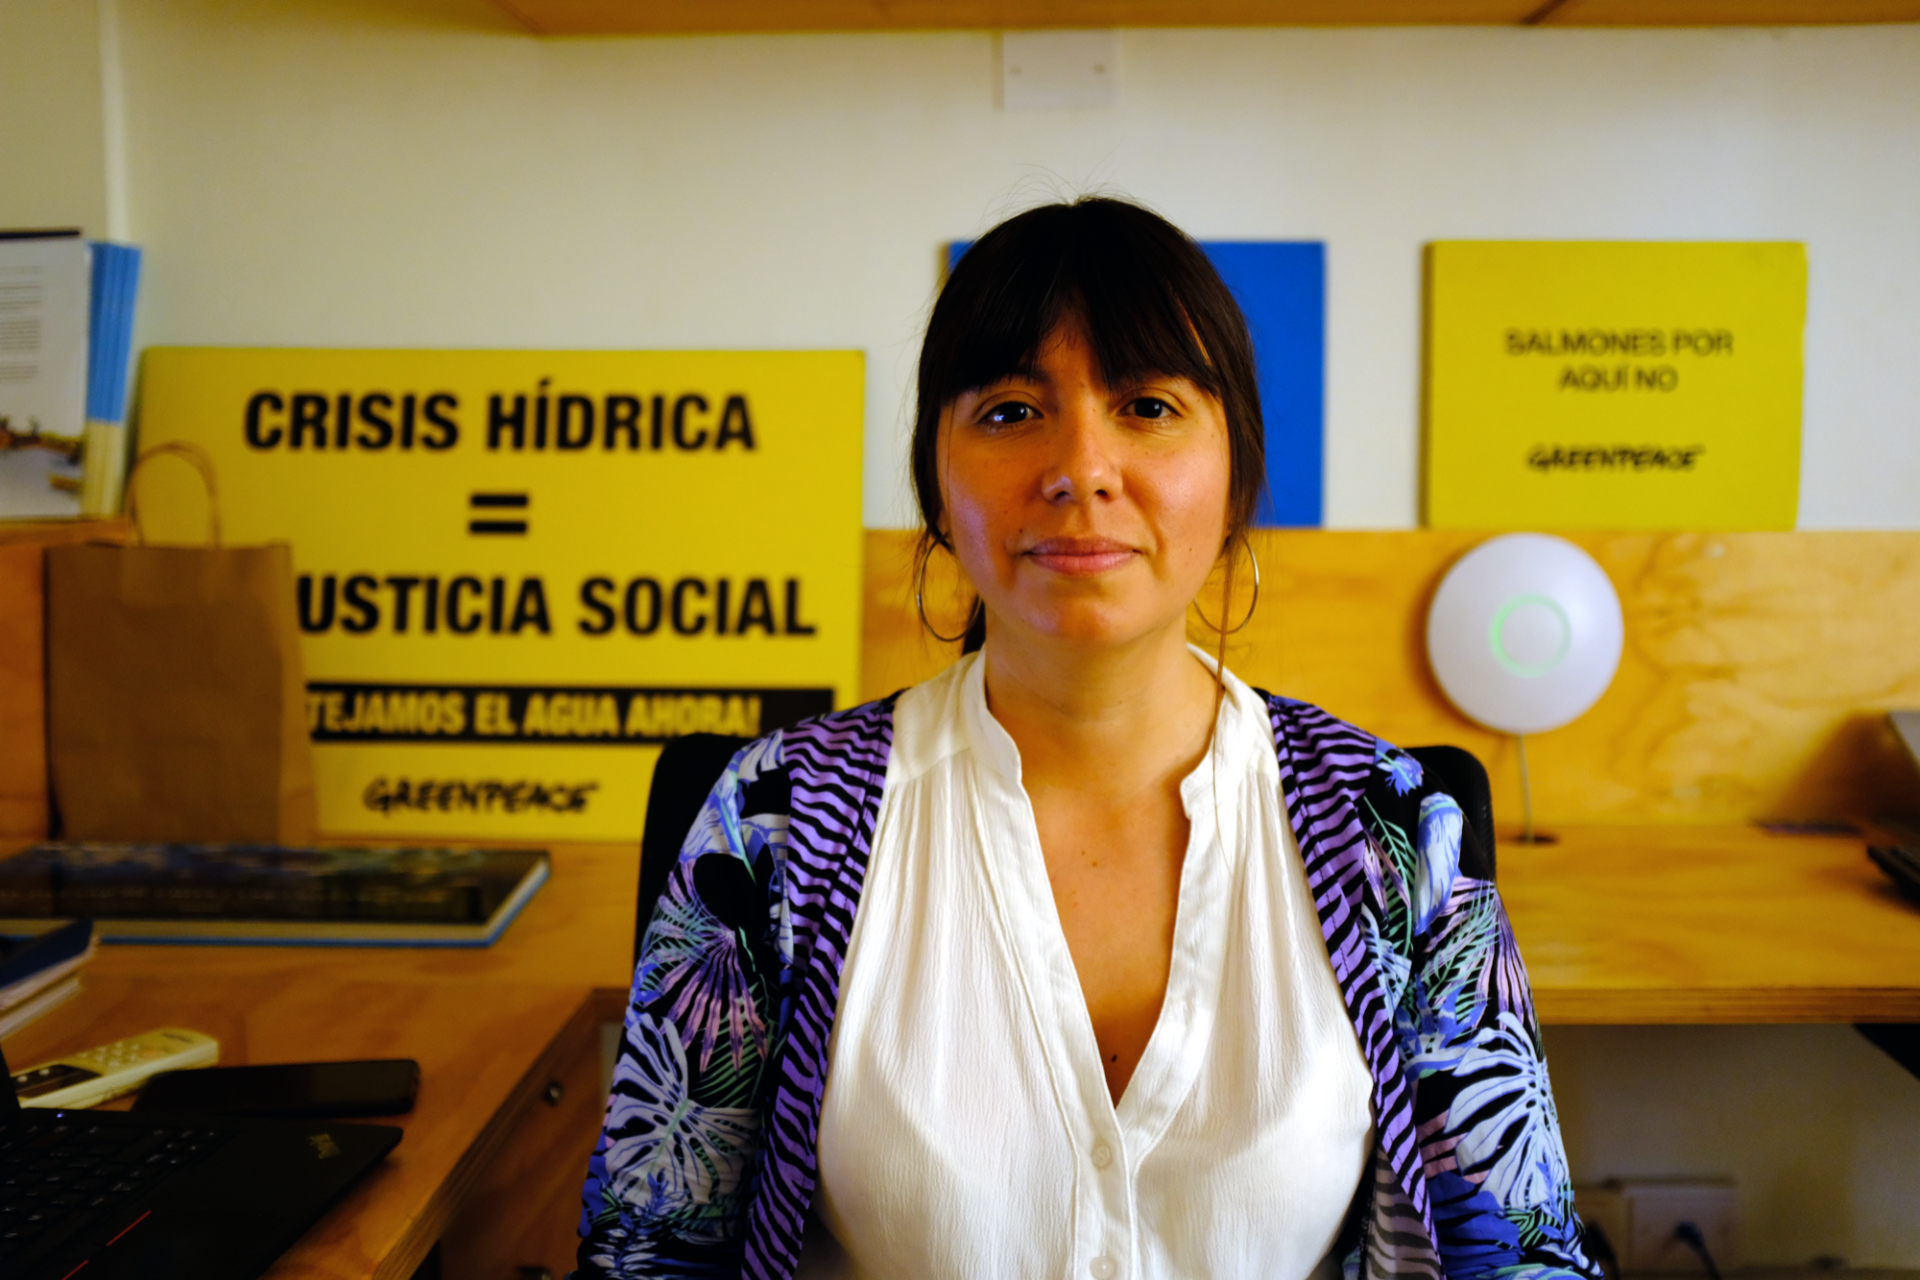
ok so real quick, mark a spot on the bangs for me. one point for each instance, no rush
(1121, 289)
(1144, 294)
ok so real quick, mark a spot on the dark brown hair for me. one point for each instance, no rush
(1149, 302)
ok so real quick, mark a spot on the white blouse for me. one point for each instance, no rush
(967, 1130)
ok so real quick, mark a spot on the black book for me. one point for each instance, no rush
(194, 893)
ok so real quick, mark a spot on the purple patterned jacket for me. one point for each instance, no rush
(707, 1163)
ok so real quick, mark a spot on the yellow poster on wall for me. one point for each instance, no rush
(519, 573)
(1613, 385)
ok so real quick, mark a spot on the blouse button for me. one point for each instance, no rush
(1102, 1156)
(1103, 1268)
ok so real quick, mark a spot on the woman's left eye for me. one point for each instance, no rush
(1150, 407)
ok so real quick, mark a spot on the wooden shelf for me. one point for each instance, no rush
(677, 17)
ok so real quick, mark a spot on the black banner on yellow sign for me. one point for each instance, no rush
(520, 572)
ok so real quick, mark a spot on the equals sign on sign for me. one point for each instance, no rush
(489, 502)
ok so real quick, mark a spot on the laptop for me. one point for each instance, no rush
(101, 1195)
(1901, 859)
(1906, 726)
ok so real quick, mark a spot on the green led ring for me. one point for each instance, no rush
(1526, 670)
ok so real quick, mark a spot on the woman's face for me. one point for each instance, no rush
(1081, 511)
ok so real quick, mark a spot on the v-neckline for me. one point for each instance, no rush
(1183, 1028)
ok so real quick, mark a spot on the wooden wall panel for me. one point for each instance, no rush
(23, 667)
(1757, 670)
(23, 694)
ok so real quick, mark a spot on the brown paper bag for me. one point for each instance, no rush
(176, 697)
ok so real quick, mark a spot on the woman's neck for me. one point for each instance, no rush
(1112, 718)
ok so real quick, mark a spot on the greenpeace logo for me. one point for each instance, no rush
(490, 795)
(1615, 457)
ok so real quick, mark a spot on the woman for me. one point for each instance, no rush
(1082, 958)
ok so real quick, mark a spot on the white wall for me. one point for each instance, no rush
(421, 173)
(424, 173)
(1820, 1130)
(52, 134)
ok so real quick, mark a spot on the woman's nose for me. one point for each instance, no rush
(1083, 466)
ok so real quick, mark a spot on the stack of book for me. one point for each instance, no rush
(41, 971)
(272, 894)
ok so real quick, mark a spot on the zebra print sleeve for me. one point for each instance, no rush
(668, 1186)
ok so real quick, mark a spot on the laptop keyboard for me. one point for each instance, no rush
(62, 1172)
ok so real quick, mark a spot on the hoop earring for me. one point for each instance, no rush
(919, 587)
(1250, 608)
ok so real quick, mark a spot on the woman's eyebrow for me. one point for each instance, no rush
(1038, 376)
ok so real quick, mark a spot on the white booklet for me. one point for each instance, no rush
(19, 1015)
(26, 988)
(44, 281)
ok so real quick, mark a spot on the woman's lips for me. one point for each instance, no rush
(1080, 555)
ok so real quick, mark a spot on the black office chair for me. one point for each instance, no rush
(1459, 773)
(690, 765)
(688, 768)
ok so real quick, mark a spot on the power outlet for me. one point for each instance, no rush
(1641, 1220)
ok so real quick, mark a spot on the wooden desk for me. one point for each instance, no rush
(1710, 924)
(1618, 924)
(489, 1166)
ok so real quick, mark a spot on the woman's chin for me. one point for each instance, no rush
(1092, 628)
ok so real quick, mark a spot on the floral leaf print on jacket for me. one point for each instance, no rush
(666, 1185)
(1496, 1171)
(671, 1153)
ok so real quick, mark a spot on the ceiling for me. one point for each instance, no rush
(660, 17)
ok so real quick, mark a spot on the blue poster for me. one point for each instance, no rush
(1281, 285)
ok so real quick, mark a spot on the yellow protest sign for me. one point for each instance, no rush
(521, 572)
(1613, 385)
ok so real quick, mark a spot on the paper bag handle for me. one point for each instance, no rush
(197, 457)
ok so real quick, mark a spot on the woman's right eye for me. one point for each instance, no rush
(1008, 413)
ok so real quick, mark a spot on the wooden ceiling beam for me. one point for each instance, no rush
(682, 17)
(1729, 13)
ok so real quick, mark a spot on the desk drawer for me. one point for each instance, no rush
(524, 1214)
